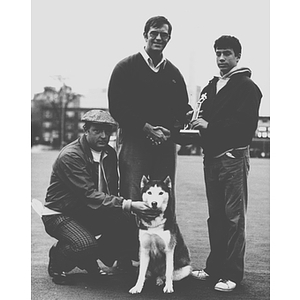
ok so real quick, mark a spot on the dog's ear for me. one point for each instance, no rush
(144, 181)
(168, 182)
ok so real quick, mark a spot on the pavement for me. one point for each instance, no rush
(191, 211)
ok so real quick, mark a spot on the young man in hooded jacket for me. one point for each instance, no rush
(227, 123)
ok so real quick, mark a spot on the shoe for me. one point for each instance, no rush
(97, 273)
(62, 279)
(58, 277)
(199, 274)
(224, 285)
(102, 273)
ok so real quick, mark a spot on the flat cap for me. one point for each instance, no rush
(100, 117)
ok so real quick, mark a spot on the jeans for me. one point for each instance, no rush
(227, 195)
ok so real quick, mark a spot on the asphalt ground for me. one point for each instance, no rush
(191, 210)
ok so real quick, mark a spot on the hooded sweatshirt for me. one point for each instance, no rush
(231, 113)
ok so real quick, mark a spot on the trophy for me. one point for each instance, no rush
(196, 113)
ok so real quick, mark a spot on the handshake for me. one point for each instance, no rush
(159, 134)
(156, 134)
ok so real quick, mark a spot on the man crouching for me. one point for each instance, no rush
(82, 202)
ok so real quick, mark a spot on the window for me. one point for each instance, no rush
(70, 114)
(46, 136)
(69, 136)
(47, 124)
(69, 126)
(55, 134)
(48, 114)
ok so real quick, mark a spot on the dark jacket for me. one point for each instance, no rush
(137, 95)
(74, 179)
(232, 113)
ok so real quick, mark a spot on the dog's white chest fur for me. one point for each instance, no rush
(155, 240)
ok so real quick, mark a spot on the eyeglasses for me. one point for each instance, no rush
(163, 35)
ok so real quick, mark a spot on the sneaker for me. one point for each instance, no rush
(199, 274)
(224, 285)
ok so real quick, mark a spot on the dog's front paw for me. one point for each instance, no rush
(168, 288)
(136, 289)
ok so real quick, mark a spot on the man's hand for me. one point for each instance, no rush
(144, 211)
(156, 134)
(189, 115)
(199, 124)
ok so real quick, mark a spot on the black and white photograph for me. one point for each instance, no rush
(149, 162)
(150, 149)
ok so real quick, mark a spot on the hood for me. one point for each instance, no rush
(234, 71)
(246, 71)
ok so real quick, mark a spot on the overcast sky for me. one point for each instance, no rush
(83, 40)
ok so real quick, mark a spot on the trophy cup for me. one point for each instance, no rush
(187, 130)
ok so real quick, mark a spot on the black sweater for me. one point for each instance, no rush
(137, 95)
(232, 114)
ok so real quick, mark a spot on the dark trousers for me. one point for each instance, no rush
(77, 245)
(137, 158)
(226, 189)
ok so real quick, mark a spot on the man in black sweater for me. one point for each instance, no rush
(148, 97)
(227, 123)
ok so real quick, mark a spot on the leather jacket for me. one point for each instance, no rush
(74, 179)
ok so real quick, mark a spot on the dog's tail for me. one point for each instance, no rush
(182, 273)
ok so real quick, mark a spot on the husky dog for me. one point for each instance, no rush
(158, 239)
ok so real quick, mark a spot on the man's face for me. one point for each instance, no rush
(226, 60)
(98, 136)
(157, 39)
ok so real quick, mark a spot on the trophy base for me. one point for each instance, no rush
(189, 131)
(188, 137)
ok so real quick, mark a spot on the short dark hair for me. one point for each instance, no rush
(229, 42)
(157, 22)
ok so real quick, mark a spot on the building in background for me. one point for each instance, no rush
(55, 117)
(47, 118)
(45, 125)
